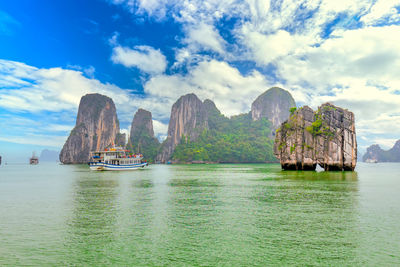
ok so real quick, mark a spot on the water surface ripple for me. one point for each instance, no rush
(201, 215)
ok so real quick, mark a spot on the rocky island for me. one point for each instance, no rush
(274, 104)
(96, 127)
(198, 132)
(376, 154)
(326, 137)
(188, 119)
(142, 139)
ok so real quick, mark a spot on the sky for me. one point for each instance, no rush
(147, 53)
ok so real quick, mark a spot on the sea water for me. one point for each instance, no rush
(201, 215)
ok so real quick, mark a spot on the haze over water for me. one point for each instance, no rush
(230, 215)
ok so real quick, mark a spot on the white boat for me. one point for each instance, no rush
(115, 159)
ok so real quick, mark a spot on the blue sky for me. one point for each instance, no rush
(147, 53)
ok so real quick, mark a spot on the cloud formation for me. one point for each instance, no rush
(231, 91)
(346, 52)
(143, 57)
(231, 51)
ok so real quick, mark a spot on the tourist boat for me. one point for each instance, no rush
(115, 159)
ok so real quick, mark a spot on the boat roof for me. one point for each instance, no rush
(110, 151)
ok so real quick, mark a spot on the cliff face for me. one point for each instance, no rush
(188, 119)
(376, 154)
(274, 105)
(142, 135)
(326, 137)
(294, 145)
(96, 127)
(142, 124)
(337, 144)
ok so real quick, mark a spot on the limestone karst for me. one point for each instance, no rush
(376, 154)
(188, 118)
(274, 104)
(96, 128)
(326, 137)
(142, 137)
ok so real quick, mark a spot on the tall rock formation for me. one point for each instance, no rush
(188, 119)
(142, 135)
(274, 105)
(214, 117)
(142, 124)
(337, 142)
(326, 137)
(96, 128)
(376, 154)
(294, 145)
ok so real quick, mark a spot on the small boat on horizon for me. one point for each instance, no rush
(34, 160)
(115, 159)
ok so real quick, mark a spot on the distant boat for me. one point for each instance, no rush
(115, 159)
(34, 160)
(0, 160)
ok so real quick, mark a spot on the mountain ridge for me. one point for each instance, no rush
(375, 153)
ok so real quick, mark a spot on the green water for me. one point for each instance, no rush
(202, 215)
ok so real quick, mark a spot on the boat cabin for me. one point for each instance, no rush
(115, 156)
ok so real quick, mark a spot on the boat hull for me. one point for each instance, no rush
(99, 166)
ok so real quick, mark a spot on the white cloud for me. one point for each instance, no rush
(201, 36)
(27, 88)
(266, 49)
(359, 70)
(143, 57)
(154, 8)
(160, 129)
(232, 92)
(384, 143)
(126, 132)
(35, 93)
(88, 71)
(42, 140)
(350, 63)
(58, 91)
(369, 55)
(382, 10)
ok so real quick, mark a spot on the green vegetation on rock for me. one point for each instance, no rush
(318, 127)
(238, 139)
(144, 144)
